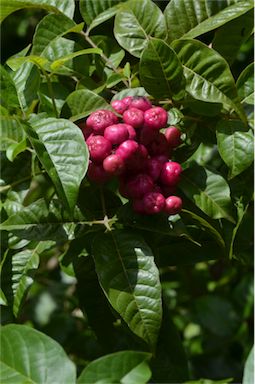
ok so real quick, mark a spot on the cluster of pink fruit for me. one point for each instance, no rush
(137, 152)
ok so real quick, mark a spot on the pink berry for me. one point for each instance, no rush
(162, 158)
(118, 106)
(159, 146)
(155, 118)
(147, 135)
(173, 136)
(131, 132)
(170, 173)
(127, 100)
(114, 165)
(99, 148)
(134, 117)
(116, 133)
(97, 173)
(101, 119)
(139, 185)
(154, 202)
(141, 103)
(137, 161)
(154, 167)
(173, 205)
(127, 149)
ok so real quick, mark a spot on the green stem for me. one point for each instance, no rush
(9, 186)
(105, 58)
(51, 91)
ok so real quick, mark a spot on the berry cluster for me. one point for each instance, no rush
(137, 152)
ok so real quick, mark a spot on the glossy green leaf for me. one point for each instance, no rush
(130, 280)
(60, 147)
(110, 48)
(208, 190)
(245, 85)
(229, 38)
(235, 145)
(9, 98)
(60, 93)
(17, 62)
(96, 12)
(124, 367)
(139, 91)
(27, 82)
(50, 28)
(81, 103)
(191, 18)
(15, 149)
(56, 6)
(29, 356)
(136, 22)
(11, 132)
(248, 376)
(58, 63)
(160, 70)
(208, 77)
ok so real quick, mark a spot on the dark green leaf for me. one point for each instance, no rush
(81, 103)
(191, 18)
(136, 22)
(57, 6)
(208, 190)
(235, 145)
(229, 38)
(130, 280)
(29, 356)
(208, 77)
(245, 85)
(60, 147)
(121, 367)
(160, 70)
(11, 132)
(9, 98)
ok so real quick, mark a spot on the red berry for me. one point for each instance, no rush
(173, 136)
(99, 148)
(113, 164)
(131, 132)
(173, 205)
(141, 103)
(97, 173)
(116, 133)
(127, 100)
(155, 118)
(137, 161)
(170, 173)
(154, 202)
(134, 117)
(154, 167)
(127, 149)
(101, 119)
(159, 146)
(147, 135)
(119, 106)
(139, 185)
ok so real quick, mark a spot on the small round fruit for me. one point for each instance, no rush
(119, 106)
(173, 136)
(99, 148)
(114, 165)
(155, 118)
(173, 205)
(116, 133)
(139, 185)
(158, 146)
(170, 173)
(97, 173)
(154, 167)
(141, 103)
(101, 119)
(131, 132)
(134, 117)
(154, 202)
(127, 149)
(127, 100)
